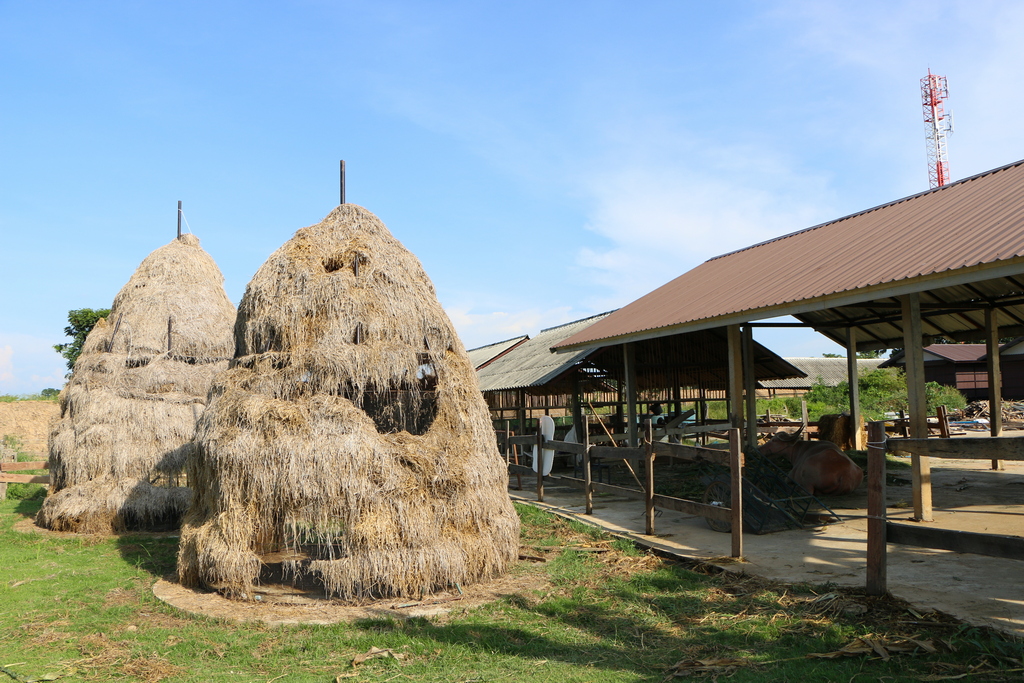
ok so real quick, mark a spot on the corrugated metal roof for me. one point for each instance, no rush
(960, 243)
(482, 355)
(955, 353)
(533, 363)
(829, 371)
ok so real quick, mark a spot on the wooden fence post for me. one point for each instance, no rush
(538, 462)
(876, 572)
(736, 497)
(649, 475)
(588, 483)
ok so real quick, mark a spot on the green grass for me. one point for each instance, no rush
(82, 609)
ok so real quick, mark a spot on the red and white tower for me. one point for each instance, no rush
(937, 125)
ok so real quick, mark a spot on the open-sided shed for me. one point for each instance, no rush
(948, 262)
(532, 378)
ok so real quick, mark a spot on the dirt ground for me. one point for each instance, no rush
(277, 605)
(29, 422)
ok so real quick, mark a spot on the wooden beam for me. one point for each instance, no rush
(649, 478)
(995, 379)
(749, 387)
(852, 378)
(876, 569)
(736, 490)
(966, 448)
(538, 463)
(31, 465)
(588, 489)
(24, 479)
(629, 365)
(990, 545)
(735, 393)
(913, 350)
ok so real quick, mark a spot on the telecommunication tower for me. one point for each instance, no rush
(937, 125)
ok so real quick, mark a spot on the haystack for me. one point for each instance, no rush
(348, 448)
(128, 413)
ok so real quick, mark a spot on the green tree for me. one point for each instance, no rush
(881, 390)
(81, 323)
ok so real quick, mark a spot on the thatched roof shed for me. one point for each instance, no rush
(348, 448)
(128, 413)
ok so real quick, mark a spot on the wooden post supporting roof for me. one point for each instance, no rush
(735, 394)
(577, 405)
(995, 379)
(852, 377)
(876, 571)
(629, 364)
(914, 362)
(749, 387)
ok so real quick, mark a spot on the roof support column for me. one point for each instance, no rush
(913, 348)
(629, 365)
(852, 379)
(995, 379)
(577, 406)
(735, 393)
(750, 386)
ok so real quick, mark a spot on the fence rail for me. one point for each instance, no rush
(7, 467)
(882, 532)
(648, 453)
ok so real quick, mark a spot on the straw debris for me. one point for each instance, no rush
(128, 413)
(348, 447)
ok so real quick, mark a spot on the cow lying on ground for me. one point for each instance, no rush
(818, 466)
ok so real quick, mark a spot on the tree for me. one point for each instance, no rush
(832, 355)
(81, 322)
(871, 354)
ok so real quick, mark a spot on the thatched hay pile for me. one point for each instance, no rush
(348, 446)
(128, 413)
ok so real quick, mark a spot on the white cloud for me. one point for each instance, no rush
(482, 328)
(6, 366)
(29, 364)
(663, 217)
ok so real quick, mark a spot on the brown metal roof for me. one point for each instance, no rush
(962, 245)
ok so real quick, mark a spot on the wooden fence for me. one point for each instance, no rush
(6, 478)
(647, 453)
(881, 531)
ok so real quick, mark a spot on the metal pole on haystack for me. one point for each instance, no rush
(937, 125)
(342, 181)
(179, 219)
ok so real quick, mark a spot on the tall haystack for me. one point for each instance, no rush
(348, 448)
(128, 413)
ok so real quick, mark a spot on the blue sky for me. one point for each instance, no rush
(545, 161)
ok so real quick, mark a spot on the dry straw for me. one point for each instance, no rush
(129, 411)
(348, 446)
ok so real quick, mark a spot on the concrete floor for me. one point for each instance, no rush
(968, 496)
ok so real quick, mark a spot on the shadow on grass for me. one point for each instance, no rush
(639, 626)
(154, 553)
(28, 507)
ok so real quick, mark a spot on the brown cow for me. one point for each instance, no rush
(818, 466)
